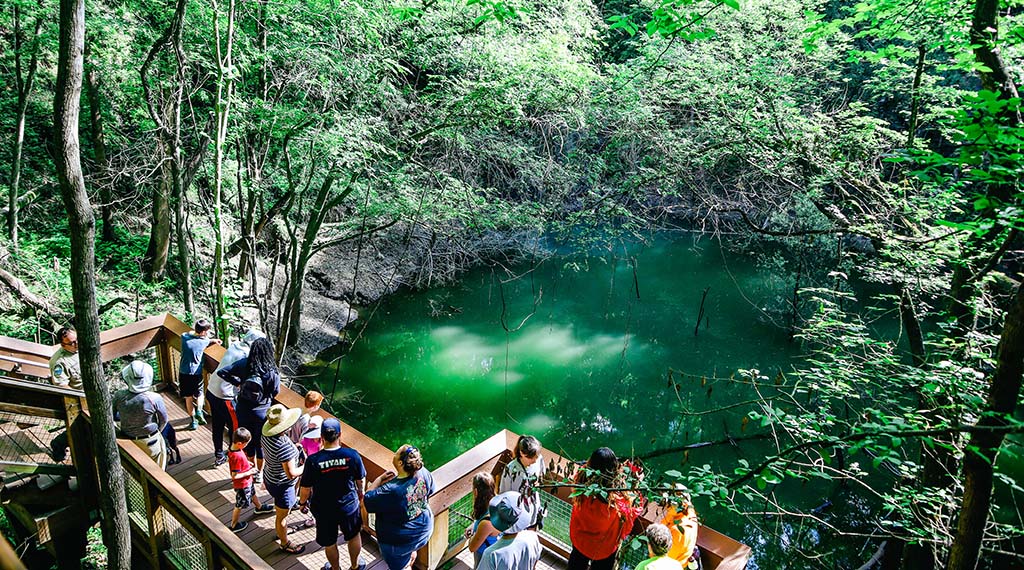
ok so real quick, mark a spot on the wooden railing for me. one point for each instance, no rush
(171, 529)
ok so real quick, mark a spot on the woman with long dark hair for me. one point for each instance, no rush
(482, 533)
(258, 382)
(598, 525)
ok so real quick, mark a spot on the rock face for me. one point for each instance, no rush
(360, 275)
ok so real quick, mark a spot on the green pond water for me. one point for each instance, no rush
(587, 368)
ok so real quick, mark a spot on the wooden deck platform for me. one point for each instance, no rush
(211, 486)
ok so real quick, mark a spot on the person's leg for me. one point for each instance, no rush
(577, 561)
(351, 526)
(189, 406)
(355, 546)
(200, 401)
(332, 556)
(218, 421)
(279, 526)
(235, 513)
(158, 451)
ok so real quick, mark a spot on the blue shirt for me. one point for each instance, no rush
(403, 514)
(332, 474)
(192, 348)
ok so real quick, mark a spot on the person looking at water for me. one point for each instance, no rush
(399, 498)
(190, 369)
(332, 486)
(258, 382)
(518, 548)
(681, 521)
(598, 524)
(143, 413)
(524, 472)
(221, 393)
(481, 533)
(281, 469)
(659, 541)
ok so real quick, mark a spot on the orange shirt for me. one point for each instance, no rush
(684, 533)
(596, 528)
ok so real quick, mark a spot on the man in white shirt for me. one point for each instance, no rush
(517, 548)
(524, 472)
(221, 393)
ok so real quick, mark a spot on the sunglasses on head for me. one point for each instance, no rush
(70, 342)
(405, 453)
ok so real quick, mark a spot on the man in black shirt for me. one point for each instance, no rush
(335, 478)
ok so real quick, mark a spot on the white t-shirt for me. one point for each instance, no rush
(522, 552)
(514, 475)
(220, 387)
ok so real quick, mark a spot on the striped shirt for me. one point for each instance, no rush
(277, 450)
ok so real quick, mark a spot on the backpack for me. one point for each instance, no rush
(251, 390)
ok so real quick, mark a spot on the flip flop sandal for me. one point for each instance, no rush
(292, 548)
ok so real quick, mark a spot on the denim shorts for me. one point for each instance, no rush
(284, 495)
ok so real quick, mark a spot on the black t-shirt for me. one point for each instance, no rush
(332, 473)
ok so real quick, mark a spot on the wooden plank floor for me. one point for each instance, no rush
(212, 487)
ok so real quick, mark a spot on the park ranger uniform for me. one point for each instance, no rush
(65, 369)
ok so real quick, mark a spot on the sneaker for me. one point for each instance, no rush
(200, 418)
(264, 509)
(257, 479)
(242, 525)
(219, 460)
(194, 425)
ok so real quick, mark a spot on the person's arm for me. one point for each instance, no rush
(160, 413)
(483, 530)
(384, 478)
(292, 469)
(275, 385)
(361, 489)
(304, 493)
(233, 373)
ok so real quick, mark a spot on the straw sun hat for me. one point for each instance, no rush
(280, 418)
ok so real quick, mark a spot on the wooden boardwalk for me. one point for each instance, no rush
(211, 486)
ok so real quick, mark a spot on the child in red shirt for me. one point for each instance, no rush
(242, 473)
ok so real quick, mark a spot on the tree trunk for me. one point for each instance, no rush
(915, 96)
(155, 260)
(184, 259)
(99, 146)
(225, 80)
(23, 84)
(983, 447)
(82, 226)
(289, 329)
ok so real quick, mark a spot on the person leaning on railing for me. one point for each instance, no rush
(221, 393)
(481, 533)
(258, 382)
(143, 413)
(598, 525)
(399, 498)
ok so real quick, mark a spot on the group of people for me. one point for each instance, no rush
(296, 455)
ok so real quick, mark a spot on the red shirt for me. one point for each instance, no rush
(596, 528)
(239, 463)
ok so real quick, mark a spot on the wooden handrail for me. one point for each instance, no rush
(453, 480)
(221, 544)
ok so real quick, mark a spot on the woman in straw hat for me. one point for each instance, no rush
(280, 468)
(142, 412)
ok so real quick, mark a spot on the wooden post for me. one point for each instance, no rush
(156, 523)
(81, 453)
(430, 555)
(163, 361)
